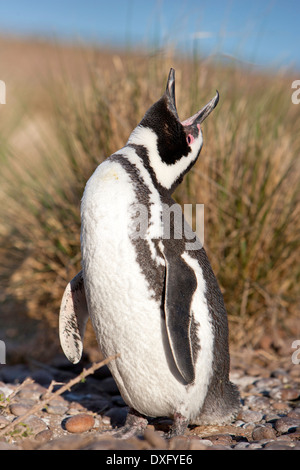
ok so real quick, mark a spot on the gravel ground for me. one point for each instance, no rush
(269, 417)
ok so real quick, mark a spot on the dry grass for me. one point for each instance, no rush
(247, 177)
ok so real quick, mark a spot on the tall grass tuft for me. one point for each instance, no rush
(247, 176)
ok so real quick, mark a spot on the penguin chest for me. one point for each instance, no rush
(116, 289)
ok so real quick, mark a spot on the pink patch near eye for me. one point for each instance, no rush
(190, 139)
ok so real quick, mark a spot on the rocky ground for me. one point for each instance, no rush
(269, 418)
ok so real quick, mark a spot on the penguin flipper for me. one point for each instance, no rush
(73, 317)
(180, 285)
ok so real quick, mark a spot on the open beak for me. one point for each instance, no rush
(199, 117)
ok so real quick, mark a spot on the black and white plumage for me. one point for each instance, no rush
(150, 299)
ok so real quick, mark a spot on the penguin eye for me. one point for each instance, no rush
(190, 139)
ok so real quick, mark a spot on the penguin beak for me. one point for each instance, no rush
(170, 92)
(199, 117)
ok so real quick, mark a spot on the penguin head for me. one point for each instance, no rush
(172, 146)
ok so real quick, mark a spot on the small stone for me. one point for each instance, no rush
(284, 393)
(244, 381)
(29, 394)
(250, 416)
(287, 424)
(263, 432)
(249, 427)
(80, 423)
(280, 406)
(106, 421)
(277, 446)
(247, 445)
(30, 426)
(154, 439)
(257, 403)
(290, 394)
(44, 436)
(19, 409)
(241, 445)
(35, 424)
(295, 413)
(56, 409)
(271, 417)
(267, 384)
(205, 442)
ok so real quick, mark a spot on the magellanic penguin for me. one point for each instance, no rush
(150, 298)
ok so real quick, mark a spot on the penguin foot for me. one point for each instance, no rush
(135, 425)
(179, 426)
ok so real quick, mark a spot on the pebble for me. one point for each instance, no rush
(277, 446)
(287, 424)
(249, 416)
(19, 409)
(247, 445)
(44, 436)
(280, 406)
(284, 393)
(290, 394)
(267, 384)
(56, 408)
(263, 432)
(295, 413)
(31, 426)
(80, 423)
(257, 403)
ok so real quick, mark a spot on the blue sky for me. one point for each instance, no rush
(264, 32)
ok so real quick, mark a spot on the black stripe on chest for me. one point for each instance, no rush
(154, 273)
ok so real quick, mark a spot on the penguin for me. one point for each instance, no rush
(150, 293)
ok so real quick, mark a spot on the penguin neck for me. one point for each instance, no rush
(165, 177)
